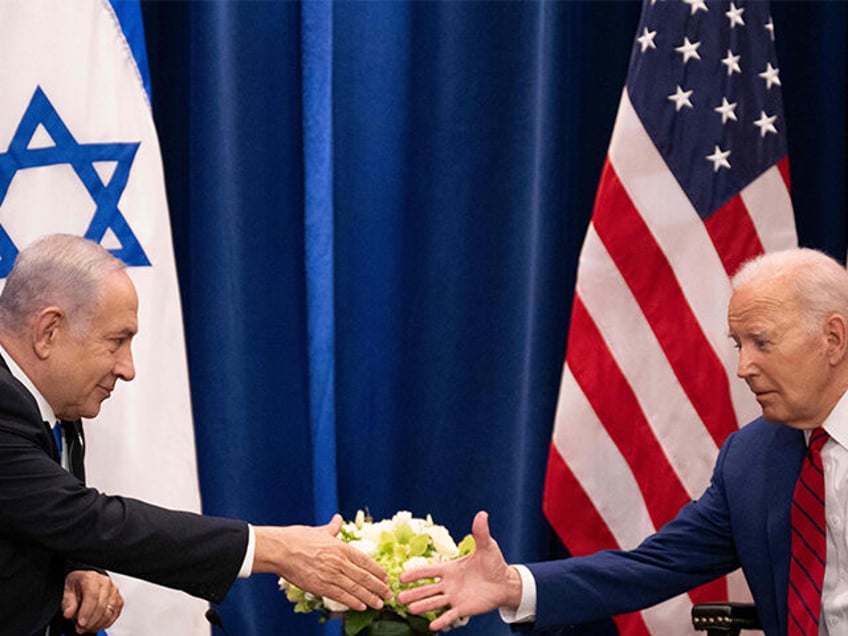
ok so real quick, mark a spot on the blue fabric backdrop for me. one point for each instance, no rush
(377, 211)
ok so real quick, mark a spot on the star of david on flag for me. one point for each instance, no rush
(83, 158)
(79, 154)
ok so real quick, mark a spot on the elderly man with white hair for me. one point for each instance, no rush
(764, 510)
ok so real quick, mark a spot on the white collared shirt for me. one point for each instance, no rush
(835, 462)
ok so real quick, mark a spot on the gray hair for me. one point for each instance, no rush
(818, 282)
(58, 270)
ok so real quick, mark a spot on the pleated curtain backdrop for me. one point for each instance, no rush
(377, 209)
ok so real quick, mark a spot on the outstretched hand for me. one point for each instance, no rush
(475, 584)
(313, 559)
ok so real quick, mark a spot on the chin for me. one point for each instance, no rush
(89, 413)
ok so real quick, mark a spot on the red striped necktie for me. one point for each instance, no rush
(809, 542)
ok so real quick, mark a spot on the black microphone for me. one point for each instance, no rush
(214, 618)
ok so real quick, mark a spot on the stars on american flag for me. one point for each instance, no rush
(681, 98)
(735, 15)
(766, 124)
(726, 110)
(719, 159)
(689, 50)
(646, 40)
(697, 136)
(770, 75)
(732, 63)
(770, 28)
(708, 63)
(696, 5)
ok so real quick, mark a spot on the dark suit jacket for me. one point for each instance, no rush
(743, 519)
(48, 519)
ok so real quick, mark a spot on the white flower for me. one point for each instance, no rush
(415, 562)
(371, 532)
(397, 544)
(401, 516)
(366, 546)
(334, 606)
(442, 541)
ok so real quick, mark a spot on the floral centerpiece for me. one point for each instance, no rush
(397, 544)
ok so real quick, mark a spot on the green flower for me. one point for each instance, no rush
(397, 544)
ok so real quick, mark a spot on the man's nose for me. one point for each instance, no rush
(124, 367)
(745, 367)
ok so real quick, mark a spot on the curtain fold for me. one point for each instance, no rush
(317, 55)
(377, 211)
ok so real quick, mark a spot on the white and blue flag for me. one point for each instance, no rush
(79, 154)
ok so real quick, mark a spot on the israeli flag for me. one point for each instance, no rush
(79, 154)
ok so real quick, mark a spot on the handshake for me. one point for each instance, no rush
(402, 569)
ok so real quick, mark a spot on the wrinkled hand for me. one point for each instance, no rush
(475, 584)
(91, 600)
(313, 559)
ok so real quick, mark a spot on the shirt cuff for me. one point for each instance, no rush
(526, 611)
(247, 565)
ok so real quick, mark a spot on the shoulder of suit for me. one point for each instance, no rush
(19, 412)
(764, 434)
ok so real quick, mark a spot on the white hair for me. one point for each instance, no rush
(58, 270)
(818, 282)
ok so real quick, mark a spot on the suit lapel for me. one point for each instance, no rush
(784, 466)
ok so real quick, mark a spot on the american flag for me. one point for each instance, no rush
(696, 181)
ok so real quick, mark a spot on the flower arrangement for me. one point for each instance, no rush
(397, 544)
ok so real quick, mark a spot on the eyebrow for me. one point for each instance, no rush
(124, 333)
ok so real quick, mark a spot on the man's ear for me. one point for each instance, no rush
(45, 330)
(836, 332)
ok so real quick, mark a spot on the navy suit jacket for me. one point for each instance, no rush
(743, 519)
(49, 520)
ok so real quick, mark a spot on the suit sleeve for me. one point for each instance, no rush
(43, 505)
(694, 548)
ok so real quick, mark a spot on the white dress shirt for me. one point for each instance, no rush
(835, 462)
(835, 588)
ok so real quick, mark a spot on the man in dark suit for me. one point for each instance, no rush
(68, 315)
(788, 316)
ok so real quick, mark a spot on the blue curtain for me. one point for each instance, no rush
(377, 209)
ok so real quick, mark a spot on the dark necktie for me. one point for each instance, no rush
(72, 433)
(75, 443)
(809, 542)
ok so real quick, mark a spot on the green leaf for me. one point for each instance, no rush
(418, 624)
(418, 545)
(467, 545)
(403, 533)
(355, 622)
(387, 544)
(390, 628)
